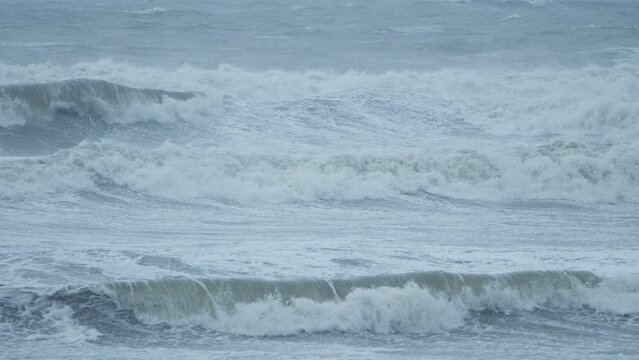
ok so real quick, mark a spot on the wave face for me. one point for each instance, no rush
(403, 303)
(80, 98)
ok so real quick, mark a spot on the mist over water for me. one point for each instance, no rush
(277, 179)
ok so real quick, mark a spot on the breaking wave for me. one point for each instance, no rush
(78, 98)
(544, 101)
(320, 135)
(402, 303)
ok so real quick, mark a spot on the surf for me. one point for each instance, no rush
(418, 302)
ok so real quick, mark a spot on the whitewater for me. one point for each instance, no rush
(298, 179)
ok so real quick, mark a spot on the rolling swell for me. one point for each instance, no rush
(397, 303)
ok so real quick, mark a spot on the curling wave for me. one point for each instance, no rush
(400, 303)
(95, 99)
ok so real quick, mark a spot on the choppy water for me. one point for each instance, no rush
(279, 179)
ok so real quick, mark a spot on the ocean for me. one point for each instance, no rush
(282, 179)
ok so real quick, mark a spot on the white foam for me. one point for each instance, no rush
(58, 323)
(382, 310)
(590, 116)
(152, 11)
(574, 171)
(511, 17)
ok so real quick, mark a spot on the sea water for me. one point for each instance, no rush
(319, 179)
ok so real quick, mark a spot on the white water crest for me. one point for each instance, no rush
(575, 171)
